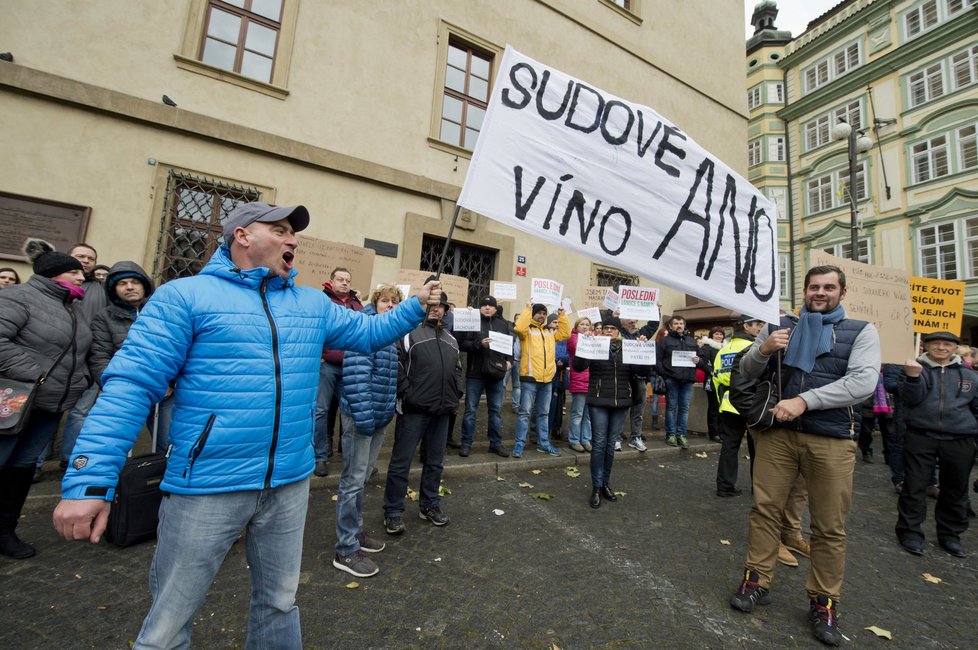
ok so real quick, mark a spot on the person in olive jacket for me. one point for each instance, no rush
(610, 396)
(940, 396)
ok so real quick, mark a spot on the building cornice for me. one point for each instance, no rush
(960, 28)
(22, 80)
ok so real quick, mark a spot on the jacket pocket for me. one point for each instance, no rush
(198, 446)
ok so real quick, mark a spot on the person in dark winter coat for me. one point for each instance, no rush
(609, 398)
(339, 289)
(940, 395)
(127, 289)
(367, 397)
(486, 371)
(677, 357)
(429, 385)
(42, 336)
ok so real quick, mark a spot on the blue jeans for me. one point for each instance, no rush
(514, 376)
(494, 403)
(75, 420)
(330, 375)
(606, 423)
(359, 455)
(539, 393)
(678, 394)
(580, 420)
(23, 450)
(410, 429)
(196, 532)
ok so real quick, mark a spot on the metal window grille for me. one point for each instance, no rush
(614, 278)
(190, 227)
(476, 264)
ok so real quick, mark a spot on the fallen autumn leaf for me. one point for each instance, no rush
(880, 632)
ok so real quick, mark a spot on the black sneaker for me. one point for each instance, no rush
(824, 620)
(750, 593)
(464, 451)
(368, 544)
(356, 564)
(394, 525)
(434, 515)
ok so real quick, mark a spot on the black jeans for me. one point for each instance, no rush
(412, 428)
(955, 458)
(732, 430)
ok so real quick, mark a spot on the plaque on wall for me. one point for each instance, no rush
(61, 224)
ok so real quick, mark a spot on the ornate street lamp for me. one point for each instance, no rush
(858, 143)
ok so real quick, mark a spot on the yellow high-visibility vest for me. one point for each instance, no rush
(722, 366)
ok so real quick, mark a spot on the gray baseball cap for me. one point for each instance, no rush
(248, 213)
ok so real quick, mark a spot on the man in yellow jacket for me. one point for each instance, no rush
(538, 365)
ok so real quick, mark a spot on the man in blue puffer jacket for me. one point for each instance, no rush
(243, 345)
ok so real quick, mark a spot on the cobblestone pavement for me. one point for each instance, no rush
(650, 571)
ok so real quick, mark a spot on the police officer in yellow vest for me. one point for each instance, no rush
(732, 425)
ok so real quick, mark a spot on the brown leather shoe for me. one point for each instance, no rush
(798, 545)
(785, 557)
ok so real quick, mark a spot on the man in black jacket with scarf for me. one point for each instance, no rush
(676, 360)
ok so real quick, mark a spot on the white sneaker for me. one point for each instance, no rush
(618, 446)
(637, 443)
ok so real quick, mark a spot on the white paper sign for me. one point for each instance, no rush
(501, 342)
(593, 314)
(683, 359)
(641, 353)
(566, 304)
(503, 291)
(611, 300)
(639, 193)
(638, 303)
(405, 290)
(466, 319)
(546, 291)
(593, 347)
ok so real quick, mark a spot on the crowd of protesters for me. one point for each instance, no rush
(111, 353)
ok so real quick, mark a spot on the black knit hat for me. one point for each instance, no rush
(537, 308)
(49, 263)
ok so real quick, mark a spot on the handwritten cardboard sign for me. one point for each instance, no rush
(593, 297)
(880, 295)
(316, 259)
(938, 305)
(456, 287)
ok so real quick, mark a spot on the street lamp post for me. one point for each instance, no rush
(858, 143)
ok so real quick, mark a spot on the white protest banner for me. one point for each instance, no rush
(594, 347)
(613, 180)
(683, 359)
(638, 303)
(500, 342)
(593, 314)
(641, 353)
(502, 291)
(611, 299)
(466, 320)
(546, 291)
(565, 304)
(406, 290)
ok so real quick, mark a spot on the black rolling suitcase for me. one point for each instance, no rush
(136, 504)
